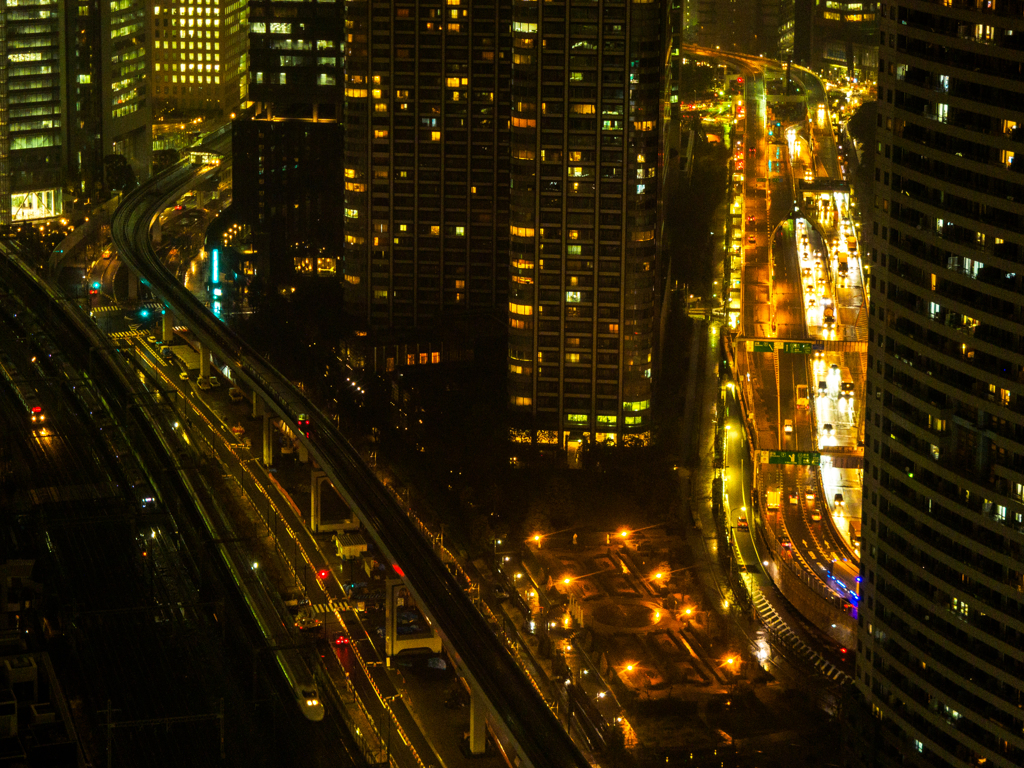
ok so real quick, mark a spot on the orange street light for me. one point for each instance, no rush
(629, 667)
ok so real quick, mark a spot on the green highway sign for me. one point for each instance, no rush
(764, 346)
(798, 347)
(803, 458)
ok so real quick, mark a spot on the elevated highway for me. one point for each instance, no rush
(516, 709)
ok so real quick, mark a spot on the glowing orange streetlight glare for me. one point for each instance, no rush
(730, 660)
(688, 611)
(658, 575)
(629, 667)
(623, 533)
(566, 580)
(536, 537)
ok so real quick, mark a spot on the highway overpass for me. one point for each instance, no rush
(499, 686)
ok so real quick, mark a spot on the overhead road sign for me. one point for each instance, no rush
(817, 345)
(800, 458)
(798, 347)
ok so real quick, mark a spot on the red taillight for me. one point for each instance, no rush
(36, 409)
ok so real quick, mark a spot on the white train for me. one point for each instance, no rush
(275, 625)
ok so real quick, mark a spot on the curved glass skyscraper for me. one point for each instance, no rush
(941, 658)
(586, 80)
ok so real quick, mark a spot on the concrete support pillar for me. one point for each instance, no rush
(204, 362)
(156, 232)
(258, 408)
(477, 723)
(316, 482)
(167, 327)
(390, 617)
(133, 286)
(268, 441)
(303, 453)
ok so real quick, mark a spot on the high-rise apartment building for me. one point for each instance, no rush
(200, 56)
(109, 108)
(32, 109)
(940, 659)
(426, 158)
(586, 108)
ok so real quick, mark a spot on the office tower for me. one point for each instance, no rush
(838, 38)
(940, 657)
(426, 158)
(109, 111)
(586, 108)
(200, 61)
(32, 106)
(297, 55)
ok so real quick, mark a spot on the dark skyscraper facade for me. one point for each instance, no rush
(426, 111)
(835, 37)
(940, 658)
(586, 101)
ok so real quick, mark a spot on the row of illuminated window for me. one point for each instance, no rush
(583, 419)
(194, 79)
(35, 142)
(42, 69)
(188, 67)
(189, 11)
(191, 46)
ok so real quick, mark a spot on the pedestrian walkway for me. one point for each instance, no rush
(783, 632)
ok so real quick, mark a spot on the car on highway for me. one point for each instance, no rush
(751, 238)
(750, 219)
(183, 375)
(152, 339)
(828, 430)
(785, 542)
(793, 499)
(742, 524)
(839, 501)
(214, 382)
(809, 495)
(815, 515)
(787, 426)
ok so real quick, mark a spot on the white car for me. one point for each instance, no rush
(787, 426)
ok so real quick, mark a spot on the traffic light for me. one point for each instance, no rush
(144, 314)
(303, 423)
